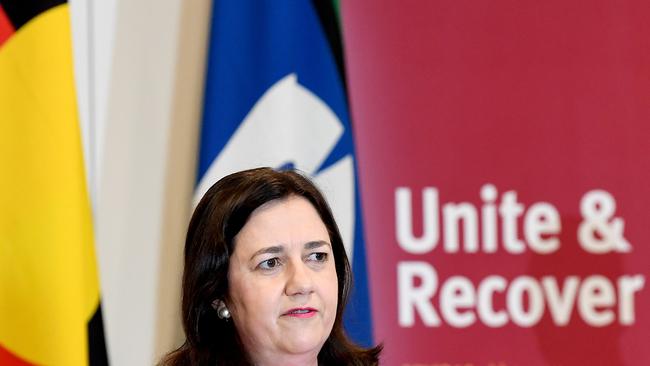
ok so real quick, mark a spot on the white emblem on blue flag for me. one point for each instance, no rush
(291, 125)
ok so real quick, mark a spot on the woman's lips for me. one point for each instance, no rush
(301, 312)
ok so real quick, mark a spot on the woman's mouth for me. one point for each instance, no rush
(301, 312)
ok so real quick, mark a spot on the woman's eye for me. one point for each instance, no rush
(269, 263)
(318, 257)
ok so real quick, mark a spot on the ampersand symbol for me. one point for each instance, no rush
(596, 233)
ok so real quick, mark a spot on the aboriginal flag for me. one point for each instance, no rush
(49, 292)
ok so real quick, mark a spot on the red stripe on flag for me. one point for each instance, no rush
(9, 359)
(6, 29)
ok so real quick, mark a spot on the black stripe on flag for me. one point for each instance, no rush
(329, 23)
(20, 12)
(96, 342)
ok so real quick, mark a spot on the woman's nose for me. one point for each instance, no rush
(299, 279)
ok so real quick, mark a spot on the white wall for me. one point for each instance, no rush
(139, 67)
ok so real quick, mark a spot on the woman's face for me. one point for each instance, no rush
(283, 284)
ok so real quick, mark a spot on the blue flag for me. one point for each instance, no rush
(275, 96)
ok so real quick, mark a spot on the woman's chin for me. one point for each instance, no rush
(303, 344)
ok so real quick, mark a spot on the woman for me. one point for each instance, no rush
(266, 277)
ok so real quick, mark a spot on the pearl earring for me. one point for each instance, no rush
(222, 310)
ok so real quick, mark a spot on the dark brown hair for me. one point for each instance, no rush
(219, 216)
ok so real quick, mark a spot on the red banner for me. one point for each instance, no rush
(504, 156)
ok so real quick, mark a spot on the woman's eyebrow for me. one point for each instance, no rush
(316, 244)
(276, 249)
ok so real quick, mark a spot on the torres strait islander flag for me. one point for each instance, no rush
(49, 292)
(276, 96)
